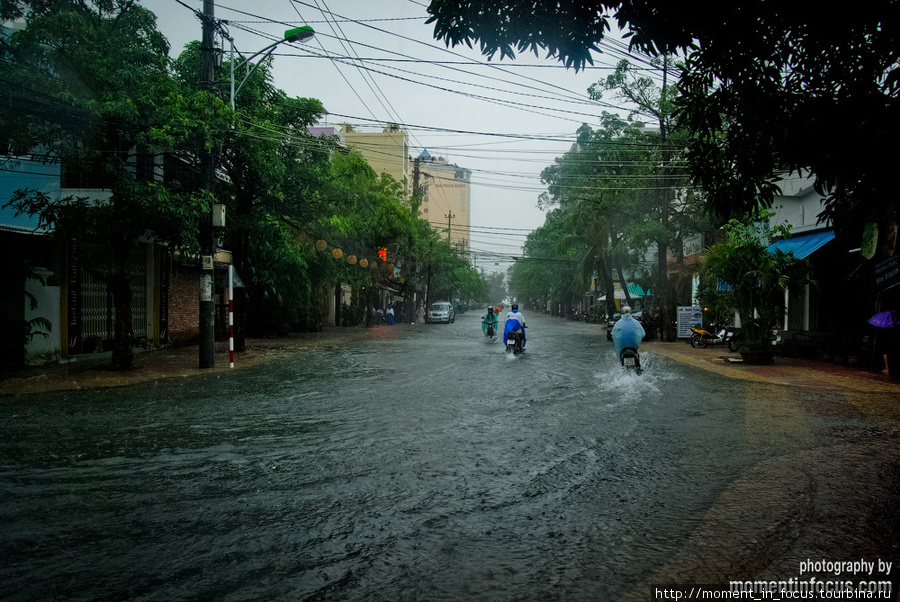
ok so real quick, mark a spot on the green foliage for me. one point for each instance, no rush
(86, 84)
(547, 270)
(757, 279)
(766, 86)
(89, 84)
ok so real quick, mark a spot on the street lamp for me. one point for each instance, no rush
(297, 34)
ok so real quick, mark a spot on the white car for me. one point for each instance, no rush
(440, 311)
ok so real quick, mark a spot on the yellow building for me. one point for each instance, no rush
(386, 150)
(447, 201)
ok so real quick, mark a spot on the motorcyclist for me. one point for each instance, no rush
(515, 321)
(627, 332)
(489, 319)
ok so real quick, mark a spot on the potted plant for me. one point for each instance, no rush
(754, 279)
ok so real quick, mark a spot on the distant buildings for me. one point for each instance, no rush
(386, 150)
(447, 200)
(446, 187)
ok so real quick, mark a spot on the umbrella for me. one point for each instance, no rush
(886, 319)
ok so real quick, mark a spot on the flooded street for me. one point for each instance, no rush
(424, 463)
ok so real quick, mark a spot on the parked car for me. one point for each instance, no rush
(610, 322)
(440, 312)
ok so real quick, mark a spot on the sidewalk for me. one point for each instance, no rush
(796, 372)
(182, 362)
(93, 371)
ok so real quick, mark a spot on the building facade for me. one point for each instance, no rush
(386, 150)
(447, 199)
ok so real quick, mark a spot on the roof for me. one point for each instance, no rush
(804, 245)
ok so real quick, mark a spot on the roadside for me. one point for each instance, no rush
(170, 362)
(797, 372)
(182, 362)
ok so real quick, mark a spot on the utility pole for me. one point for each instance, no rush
(417, 193)
(207, 182)
(666, 311)
(449, 217)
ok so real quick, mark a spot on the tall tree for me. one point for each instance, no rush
(546, 273)
(274, 168)
(641, 92)
(86, 85)
(766, 85)
(601, 184)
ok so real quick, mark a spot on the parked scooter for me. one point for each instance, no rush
(704, 338)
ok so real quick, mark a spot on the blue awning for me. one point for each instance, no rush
(804, 245)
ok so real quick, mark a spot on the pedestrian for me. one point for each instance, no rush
(885, 343)
(420, 315)
(390, 315)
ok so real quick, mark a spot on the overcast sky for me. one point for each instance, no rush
(373, 62)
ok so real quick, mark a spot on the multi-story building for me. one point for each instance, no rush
(446, 202)
(386, 150)
(447, 199)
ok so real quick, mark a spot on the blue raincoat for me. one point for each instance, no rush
(513, 323)
(627, 332)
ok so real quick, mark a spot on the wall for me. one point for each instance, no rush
(448, 189)
(42, 350)
(184, 305)
(798, 205)
(385, 151)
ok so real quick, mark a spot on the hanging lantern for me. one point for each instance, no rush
(337, 253)
(351, 259)
(321, 245)
(363, 262)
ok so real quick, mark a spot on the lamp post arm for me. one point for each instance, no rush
(265, 52)
(297, 34)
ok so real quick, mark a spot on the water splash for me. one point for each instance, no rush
(627, 385)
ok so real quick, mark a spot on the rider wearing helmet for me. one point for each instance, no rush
(490, 319)
(627, 332)
(515, 321)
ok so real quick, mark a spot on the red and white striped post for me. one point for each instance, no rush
(231, 316)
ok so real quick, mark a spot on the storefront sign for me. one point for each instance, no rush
(887, 273)
(688, 316)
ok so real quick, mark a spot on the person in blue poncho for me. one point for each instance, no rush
(627, 332)
(515, 321)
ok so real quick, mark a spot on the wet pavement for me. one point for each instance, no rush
(423, 463)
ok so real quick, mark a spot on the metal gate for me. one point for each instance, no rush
(98, 314)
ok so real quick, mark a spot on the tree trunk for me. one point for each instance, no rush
(123, 335)
(623, 283)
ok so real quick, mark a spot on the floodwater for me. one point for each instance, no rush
(424, 463)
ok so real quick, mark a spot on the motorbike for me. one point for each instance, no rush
(515, 342)
(704, 338)
(489, 331)
(631, 359)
